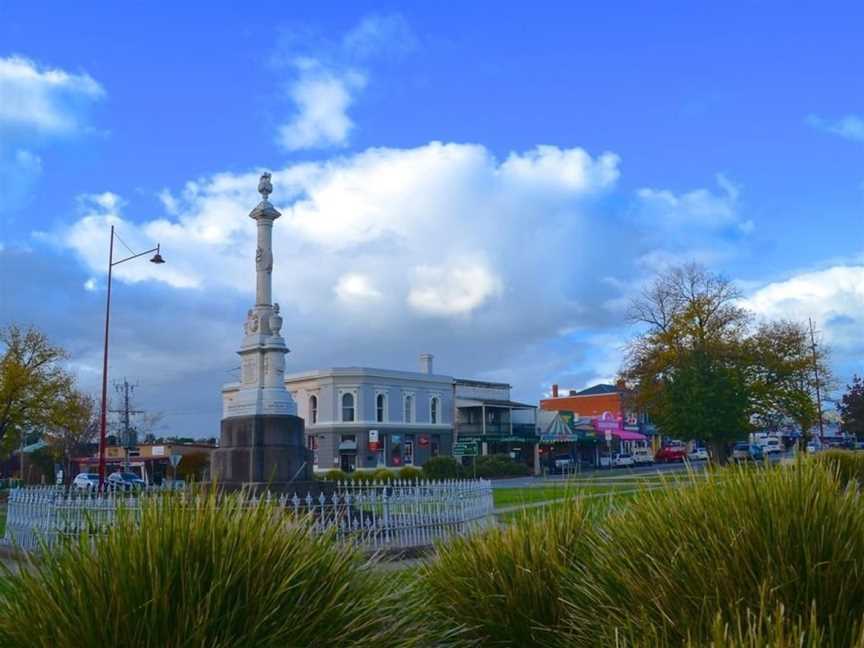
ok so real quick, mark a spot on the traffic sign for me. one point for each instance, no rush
(175, 459)
(465, 449)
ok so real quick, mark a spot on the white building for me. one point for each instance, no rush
(362, 418)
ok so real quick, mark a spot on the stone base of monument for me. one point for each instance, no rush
(264, 452)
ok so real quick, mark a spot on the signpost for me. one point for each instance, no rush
(175, 459)
(609, 446)
(466, 449)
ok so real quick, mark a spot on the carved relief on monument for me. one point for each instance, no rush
(249, 371)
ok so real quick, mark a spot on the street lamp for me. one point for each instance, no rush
(157, 258)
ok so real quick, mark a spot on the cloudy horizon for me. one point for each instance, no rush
(416, 217)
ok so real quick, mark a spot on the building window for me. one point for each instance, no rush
(348, 408)
(313, 409)
(433, 410)
(409, 409)
(380, 404)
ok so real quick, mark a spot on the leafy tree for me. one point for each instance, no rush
(32, 383)
(75, 428)
(851, 407)
(702, 371)
(783, 372)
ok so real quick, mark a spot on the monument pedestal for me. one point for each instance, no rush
(264, 451)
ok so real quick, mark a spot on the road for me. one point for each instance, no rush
(607, 474)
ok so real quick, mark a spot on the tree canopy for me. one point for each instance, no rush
(851, 407)
(34, 386)
(703, 370)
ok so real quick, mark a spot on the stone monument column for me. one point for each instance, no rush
(262, 440)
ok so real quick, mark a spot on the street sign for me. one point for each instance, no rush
(465, 449)
(175, 459)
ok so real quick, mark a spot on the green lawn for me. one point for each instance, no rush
(504, 497)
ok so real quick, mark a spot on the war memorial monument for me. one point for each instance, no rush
(262, 442)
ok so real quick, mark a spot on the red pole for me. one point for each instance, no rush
(103, 423)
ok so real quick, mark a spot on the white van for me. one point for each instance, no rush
(642, 456)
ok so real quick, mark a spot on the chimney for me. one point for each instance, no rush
(426, 363)
(554, 391)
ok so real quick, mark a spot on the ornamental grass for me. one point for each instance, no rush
(501, 587)
(767, 557)
(202, 571)
(848, 465)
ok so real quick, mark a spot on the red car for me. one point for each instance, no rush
(671, 453)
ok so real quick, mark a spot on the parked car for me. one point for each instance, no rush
(642, 456)
(811, 448)
(125, 481)
(621, 460)
(670, 453)
(771, 445)
(747, 452)
(86, 481)
(698, 454)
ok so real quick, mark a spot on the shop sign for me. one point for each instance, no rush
(423, 441)
(374, 442)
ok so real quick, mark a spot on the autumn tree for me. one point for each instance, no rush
(33, 383)
(851, 408)
(701, 369)
(75, 427)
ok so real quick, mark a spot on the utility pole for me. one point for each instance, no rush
(816, 373)
(126, 389)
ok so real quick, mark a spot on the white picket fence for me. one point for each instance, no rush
(373, 516)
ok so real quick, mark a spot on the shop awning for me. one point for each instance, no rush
(629, 436)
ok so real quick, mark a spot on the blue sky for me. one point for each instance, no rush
(420, 214)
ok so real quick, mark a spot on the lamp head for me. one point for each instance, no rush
(157, 258)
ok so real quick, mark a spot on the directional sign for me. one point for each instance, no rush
(175, 459)
(465, 449)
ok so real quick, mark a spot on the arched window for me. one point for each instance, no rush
(380, 402)
(433, 410)
(313, 409)
(347, 407)
(409, 408)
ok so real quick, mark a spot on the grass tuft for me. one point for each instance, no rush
(199, 571)
(501, 588)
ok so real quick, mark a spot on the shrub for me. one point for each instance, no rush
(500, 465)
(383, 474)
(336, 475)
(442, 467)
(409, 473)
(501, 588)
(676, 563)
(199, 572)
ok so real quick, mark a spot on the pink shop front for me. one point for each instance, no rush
(619, 439)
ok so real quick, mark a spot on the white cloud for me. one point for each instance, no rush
(355, 287)
(43, 99)
(698, 208)
(326, 77)
(439, 230)
(850, 127)
(452, 290)
(90, 285)
(834, 298)
(322, 98)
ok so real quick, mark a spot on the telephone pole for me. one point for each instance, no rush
(126, 390)
(816, 373)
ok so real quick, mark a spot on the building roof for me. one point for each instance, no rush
(492, 402)
(470, 382)
(598, 389)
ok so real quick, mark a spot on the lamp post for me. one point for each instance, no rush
(103, 421)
